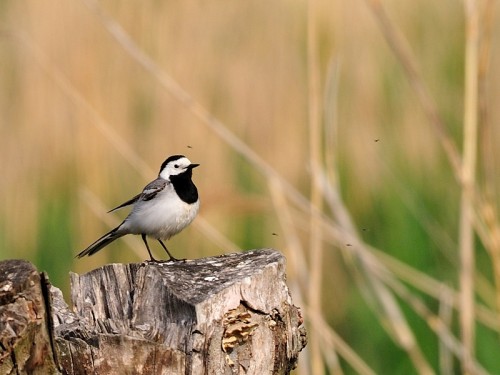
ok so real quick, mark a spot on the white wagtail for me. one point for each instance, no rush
(166, 206)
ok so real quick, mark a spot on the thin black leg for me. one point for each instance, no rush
(147, 247)
(168, 252)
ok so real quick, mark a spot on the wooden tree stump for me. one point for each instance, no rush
(25, 336)
(222, 315)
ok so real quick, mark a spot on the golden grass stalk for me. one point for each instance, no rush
(330, 120)
(488, 161)
(379, 261)
(466, 231)
(470, 214)
(403, 53)
(488, 209)
(295, 254)
(316, 199)
(297, 267)
(329, 338)
(369, 279)
(440, 327)
(446, 316)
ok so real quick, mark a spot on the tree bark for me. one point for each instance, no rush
(231, 314)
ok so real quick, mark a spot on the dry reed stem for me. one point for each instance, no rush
(399, 327)
(315, 236)
(378, 261)
(471, 201)
(369, 280)
(331, 121)
(439, 327)
(446, 316)
(487, 154)
(402, 51)
(434, 288)
(487, 225)
(454, 345)
(466, 231)
(298, 268)
(493, 247)
(329, 338)
(486, 232)
(487, 149)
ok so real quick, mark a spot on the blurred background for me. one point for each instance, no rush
(330, 130)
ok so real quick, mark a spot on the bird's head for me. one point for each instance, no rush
(175, 165)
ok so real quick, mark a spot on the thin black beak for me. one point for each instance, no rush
(191, 166)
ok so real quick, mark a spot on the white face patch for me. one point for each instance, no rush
(175, 167)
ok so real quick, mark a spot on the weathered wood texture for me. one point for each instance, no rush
(25, 341)
(223, 315)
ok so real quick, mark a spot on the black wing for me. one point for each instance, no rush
(130, 201)
(148, 193)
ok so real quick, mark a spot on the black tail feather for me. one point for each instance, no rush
(101, 242)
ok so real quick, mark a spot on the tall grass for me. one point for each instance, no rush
(328, 130)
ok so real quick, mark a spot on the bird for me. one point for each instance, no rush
(165, 207)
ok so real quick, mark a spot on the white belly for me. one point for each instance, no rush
(162, 217)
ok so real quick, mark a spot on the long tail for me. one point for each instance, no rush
(101, 242)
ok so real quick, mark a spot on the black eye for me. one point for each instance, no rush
(176, 165)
